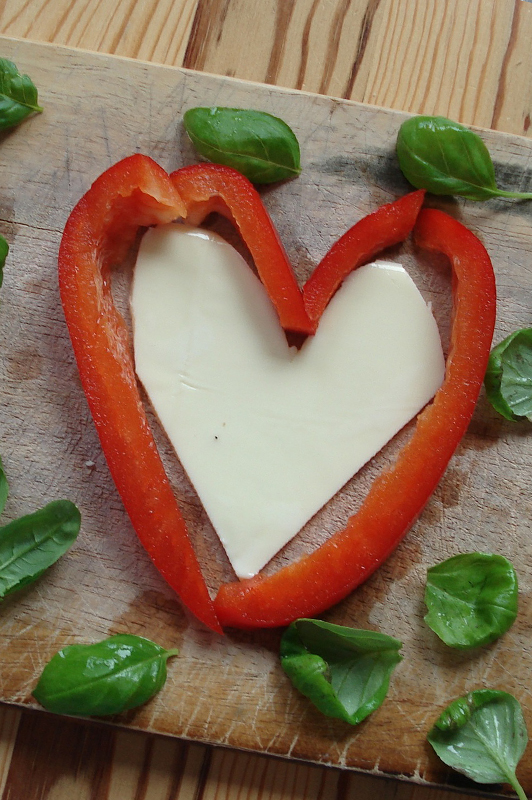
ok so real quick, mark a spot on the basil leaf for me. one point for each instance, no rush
(4, 487)
(345, 672)
(508, 379)
(108, 677)
(445, 157)
(471, 599)
(260, 146)
(31, 544)
(18, 96)
(482, 735)
(4, 250)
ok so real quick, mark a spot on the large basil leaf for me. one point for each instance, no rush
(260, 146)
(18, 95)
(108, 677)
(482, 735)
(471, 599)
(508, 380)
(345, 672)
(31, 544)
(4, 250)
(445, 157)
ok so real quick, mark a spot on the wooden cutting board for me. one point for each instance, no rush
(230, 689)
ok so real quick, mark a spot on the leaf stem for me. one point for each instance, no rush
(514, 783)
(515, 195)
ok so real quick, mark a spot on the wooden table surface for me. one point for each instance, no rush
(467, 59)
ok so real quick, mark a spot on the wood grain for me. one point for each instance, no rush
(154, 30)
(375, 51)
(468, 59)
(105, 584)
(99, 763)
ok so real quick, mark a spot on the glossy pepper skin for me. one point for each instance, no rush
(136, 192)
(207, 188)
(398, 495)
(388, 225)
(101, 228)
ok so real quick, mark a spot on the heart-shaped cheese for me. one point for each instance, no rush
(267, 433)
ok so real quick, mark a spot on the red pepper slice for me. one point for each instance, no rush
(135, 192)
(205, 188)
(388, 225)
(397, 497)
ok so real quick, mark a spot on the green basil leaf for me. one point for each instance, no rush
(4, 250)
(482, 735)
(345, 672)
(508, 379)
(18, 95)
(108, 677)
(445, 157)
(4, 487)
(31, 544)
(471, 599)
(260, 146)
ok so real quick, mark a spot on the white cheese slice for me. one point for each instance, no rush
(266, 433)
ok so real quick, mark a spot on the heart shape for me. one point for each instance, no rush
(266, 433)
(397, 497)
(103, 225)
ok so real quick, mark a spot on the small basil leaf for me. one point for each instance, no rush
(482, 735)
(18, 96)
(4, 250)
(508, 379)
(345, 672)
(31, 544)
(108, 677)
(4, 487)
(445, 157)
(471, 599)
(260, 146)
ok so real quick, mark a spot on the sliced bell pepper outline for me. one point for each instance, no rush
(136, 192)
(208, 188)
(397, 497)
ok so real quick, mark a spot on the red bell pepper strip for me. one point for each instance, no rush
(211, 187)
(207, 188)
(388, 225)
(397, 497)
(135, 192)
(101, 228)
